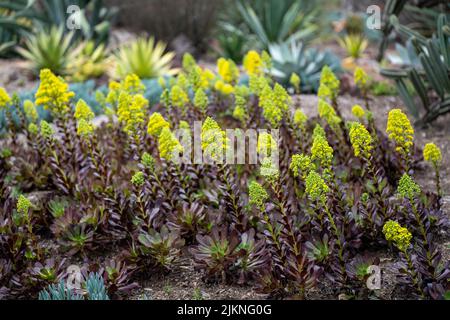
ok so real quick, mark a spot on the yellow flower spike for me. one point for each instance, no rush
(182, 81)
(46, 130)
(295, 81)
(318, 131)
(316, 187)
(131, 111)
(138, 179)
(33, 128)
(165, 98)
(301, 163)
(83, 111)
(184, 125)
(195, 78)
(266, 145)
(227, 70)
(271, 111)
(327, 112)
(358, 111)
(300, 118)
(178, 97)
(361, 140)
(201, 100)
(113, 93)
(281, 97)
(257, 195)
(400, 130)
(257, 84)
(30, 110)
(207, 78)
(272, 114)
(324, 92)
(322, 151)
(361, 78)
(432, 154)
(188, 62)
(227, 89)
(84, 128)
(266, 60)
(253, 63)
(329, 80)
(240, 113)
(168, 144)
(400, 236)
(214, 140)
(133, 85)
(407, 188)
(5, 99)
(269, 171)
(156, 123)
(23, 205)
(53, 93)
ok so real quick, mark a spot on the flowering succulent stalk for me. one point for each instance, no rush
(7, 103)
(156, 124)
(297, 125)
(179, 99)
(361, 141)
(257, 195)
(201, 102)
(138, 181)
(322, 152)
(433, 155)
(227, 70)
(214, 141)
(253, 63)
(168, 145)
(53, 94)
(329, 80)
(61, 179)
(362, 81)
(401, 238)
(271, 174)
(409, 190)
(23, 208)
(301, 163)
(328, 113)
(294, 80)
(401, 132)
(318, 190)
(363, 145)
(131, 113)
(358, 112)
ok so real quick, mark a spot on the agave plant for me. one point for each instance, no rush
(94, 18)
(276, 21)
(294, 57)
(145, 58)
(423, 15)
(49, 49)
(431, 79)
(15, 22)
(354, 45)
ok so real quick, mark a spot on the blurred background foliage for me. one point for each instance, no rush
(301, 35)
